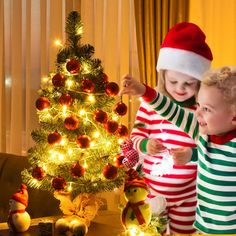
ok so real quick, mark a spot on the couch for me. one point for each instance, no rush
(41, 203)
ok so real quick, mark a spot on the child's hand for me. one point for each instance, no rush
(154, 146)
(132, 86)
(181, 156)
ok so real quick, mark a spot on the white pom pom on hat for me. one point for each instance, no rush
(185, 50)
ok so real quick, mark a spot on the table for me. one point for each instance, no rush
(106, 223)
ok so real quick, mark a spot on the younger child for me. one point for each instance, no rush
(184, 57)
(213, 126)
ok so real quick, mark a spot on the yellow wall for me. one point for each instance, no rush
(217, 18)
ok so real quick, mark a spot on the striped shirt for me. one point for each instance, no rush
(179, 182)
(216, 180)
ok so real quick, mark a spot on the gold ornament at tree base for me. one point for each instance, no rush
(78, 212)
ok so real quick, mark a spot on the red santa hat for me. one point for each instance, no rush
(185, 50)
(21, 195)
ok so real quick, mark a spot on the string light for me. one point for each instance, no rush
(96, 134)
(91, 98)
(58, 43)
(69, 83)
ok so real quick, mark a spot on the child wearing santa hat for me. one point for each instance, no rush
(183, 58)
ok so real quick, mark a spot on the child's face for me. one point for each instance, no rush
(180, 86)
(213, 113)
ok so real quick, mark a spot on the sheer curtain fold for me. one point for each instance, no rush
(153, 20)
(28, 32)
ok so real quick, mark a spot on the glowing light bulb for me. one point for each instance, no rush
(115, 117)
(44, 80)
(108, 143)
(96, 134)
(92, 144)
(85, 165)
(64, 110)
(120, 140)
(82, 112)
(69, 188)
(80, 30)
(70, 151)
(69, 83)
(91, 98)
(58, 43)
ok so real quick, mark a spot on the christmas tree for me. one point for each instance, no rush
(80, 132)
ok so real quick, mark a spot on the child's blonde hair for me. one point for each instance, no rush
(224, 79)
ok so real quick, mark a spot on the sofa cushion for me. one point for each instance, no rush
(41, 203)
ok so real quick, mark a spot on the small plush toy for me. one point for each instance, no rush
(19, 219)
(137, 211)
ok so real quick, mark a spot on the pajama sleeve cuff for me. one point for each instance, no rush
(150, 94)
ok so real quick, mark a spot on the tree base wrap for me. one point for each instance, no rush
(78, 213)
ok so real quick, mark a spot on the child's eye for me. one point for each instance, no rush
(173, 82)
(206, 109)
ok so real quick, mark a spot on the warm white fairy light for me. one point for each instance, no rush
(115, 117)
(70, 151)
(92, 144)
(86, 68)
(82, 112)
(91, 98)
(69, 188)
(44, 80)
(69, 83)
(120, 140)
(85, 165)
(80, 30)
(108, 143)
(64, 110)
(63, 141)
(58, 43)
(96, 134)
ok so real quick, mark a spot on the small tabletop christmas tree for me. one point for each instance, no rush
(79, 132)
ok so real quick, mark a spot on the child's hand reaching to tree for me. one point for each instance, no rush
(181, 156)
(132, 86)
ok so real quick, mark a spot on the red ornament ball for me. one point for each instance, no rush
(112, 89)
(110, 171)
(126, 145)
(120, 109)
(38, 173)
(83, 141)
(104, 78)
(58, 80)
(87, 85)
(58, 183)
(122, 131)
(100, 116)
(54, 138)
(66, 99)
(118, 161)
(77, 170)
(73, 66)
(111, 126)
(42, 103)
(71, 122)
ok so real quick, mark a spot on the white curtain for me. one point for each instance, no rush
(28, 30)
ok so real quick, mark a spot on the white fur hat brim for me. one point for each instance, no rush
(183, 61)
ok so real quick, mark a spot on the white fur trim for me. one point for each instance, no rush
(183, 61)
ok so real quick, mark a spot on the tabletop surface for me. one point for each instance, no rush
(106, 223)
